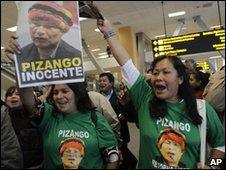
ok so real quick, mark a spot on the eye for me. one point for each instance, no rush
(155, 73)
(166, 72)
(55, 92)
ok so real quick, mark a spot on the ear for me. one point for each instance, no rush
(181, 80)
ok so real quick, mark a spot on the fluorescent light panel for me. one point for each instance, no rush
(158, 36)
(97, 49)
(103, 56)
(176, 14)
(215, 57)
(12, 29)
(216, 26)
(97, 30)
(82, 19)
(104, 53)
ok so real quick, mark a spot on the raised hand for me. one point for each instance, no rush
(104, 25)
(12, 47)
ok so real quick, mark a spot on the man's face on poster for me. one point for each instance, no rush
(45, 34)
(171, 152)
(71, 158)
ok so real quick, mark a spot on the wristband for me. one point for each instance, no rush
(109, 34)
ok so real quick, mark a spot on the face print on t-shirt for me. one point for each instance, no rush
(171, 145)
(72, 152)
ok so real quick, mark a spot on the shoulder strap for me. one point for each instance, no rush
(94, 117)
(201, 106)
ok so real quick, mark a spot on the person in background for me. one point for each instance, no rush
(214, 93)
(29, 137)
(168, 103)
(197, 80)
(104, 106)
(11, 154)
(106, 83)
(190, 65)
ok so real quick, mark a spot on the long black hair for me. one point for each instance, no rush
(83, 102)
(158, 107)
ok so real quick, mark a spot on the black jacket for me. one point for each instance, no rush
(30, 52)
(29, 137)
(11, 154)
(123, 122)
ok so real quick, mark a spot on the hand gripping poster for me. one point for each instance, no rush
(50, 39)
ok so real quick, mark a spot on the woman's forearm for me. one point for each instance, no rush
(216, 154)
(118, 51)
(112, 165)
(116, 48)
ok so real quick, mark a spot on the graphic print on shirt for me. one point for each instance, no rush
(171, 144)
(71, 152)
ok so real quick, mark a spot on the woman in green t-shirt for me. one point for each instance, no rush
(67, 117)
(169, 103)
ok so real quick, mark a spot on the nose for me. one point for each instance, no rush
(159, 76)
(40, 30)
(59, 95)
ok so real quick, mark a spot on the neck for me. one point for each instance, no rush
(46, 53)
(109, 92)
(175, 99)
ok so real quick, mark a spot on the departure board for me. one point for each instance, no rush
(199, 42)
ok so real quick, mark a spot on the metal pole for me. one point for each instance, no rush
(164, 19)
(92, 57)
(219, 13)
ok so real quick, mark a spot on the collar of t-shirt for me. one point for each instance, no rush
(108, 96)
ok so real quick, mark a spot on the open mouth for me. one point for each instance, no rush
(14, 102)
(40, 39)
(171, 155)
(159, 88)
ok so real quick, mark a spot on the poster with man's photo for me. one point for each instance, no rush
(50, 40)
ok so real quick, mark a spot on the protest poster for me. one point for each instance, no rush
(50, 39)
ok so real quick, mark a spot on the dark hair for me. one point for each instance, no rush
(158, 107)
(83, 101)
(10, 91)
(191, 61)
(202, 77)
(175, 132)
(109, 75)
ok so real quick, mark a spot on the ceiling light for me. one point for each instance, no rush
(218, 56)
(2, 48)
(184, 28)
(177, 14)
(104, 56)
(97, 30)
(102, 53)
(82, 18)
(159, 36)
(12, 29)
(97, 49)
(216, 26)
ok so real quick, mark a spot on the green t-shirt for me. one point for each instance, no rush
(151, 128)
(56, 129)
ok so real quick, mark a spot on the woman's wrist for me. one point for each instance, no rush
(109, 34)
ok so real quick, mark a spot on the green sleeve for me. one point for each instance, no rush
(215, 130)
(106, 136)
(47, 114)
(140, 92)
